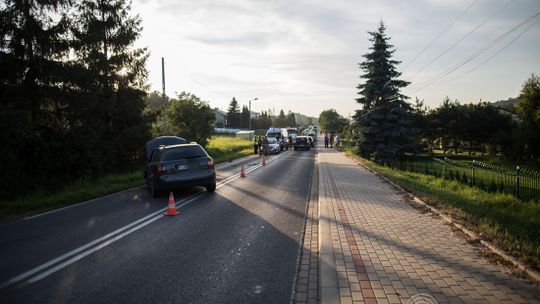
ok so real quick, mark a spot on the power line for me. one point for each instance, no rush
(439, 35)
(460, 40)
(428, 82)
(204, 85)
(497, 53)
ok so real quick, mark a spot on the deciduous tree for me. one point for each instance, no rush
(331, 121)
(528, 109)
(191, 118)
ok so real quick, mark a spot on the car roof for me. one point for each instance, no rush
(180, 145)
(162, 141)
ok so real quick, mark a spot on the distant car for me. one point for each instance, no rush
(180, 165)
(301, 142)
(274, 145)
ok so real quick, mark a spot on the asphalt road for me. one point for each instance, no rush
(237, 245)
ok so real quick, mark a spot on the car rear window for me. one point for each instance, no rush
(183, 153)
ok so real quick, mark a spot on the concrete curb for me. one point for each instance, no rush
(313, 197)
(534, 275)
(328, 281)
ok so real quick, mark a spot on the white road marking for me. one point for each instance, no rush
(108, 239)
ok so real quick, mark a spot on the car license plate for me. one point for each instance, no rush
(181, 167)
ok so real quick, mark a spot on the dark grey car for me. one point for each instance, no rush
(301, 142)
(180, 166)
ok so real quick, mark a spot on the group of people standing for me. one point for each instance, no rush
(331, 139)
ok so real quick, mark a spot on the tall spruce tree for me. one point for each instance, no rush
(385, 121)
(245, 117)
(34, 87)
(112, 80)
(233, 114)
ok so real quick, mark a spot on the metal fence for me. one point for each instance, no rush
(520, 182)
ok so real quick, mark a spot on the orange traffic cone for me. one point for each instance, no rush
(242, 173)
(172, 208)
(264, 161)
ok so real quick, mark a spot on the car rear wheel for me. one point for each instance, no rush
(211, 187)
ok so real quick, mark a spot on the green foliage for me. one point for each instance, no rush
(233, 115)
(473, 126)
(291, 119)
(386, 123)
(280, 121)
(244, 117)
(264, 121)
(82, 190)
(381, 83)
(330, 121)
(528, 109)
(464, 179)
(73, 90)
(190, 118)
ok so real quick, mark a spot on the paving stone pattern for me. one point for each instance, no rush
(388, 252)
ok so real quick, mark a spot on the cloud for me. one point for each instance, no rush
(303, 54)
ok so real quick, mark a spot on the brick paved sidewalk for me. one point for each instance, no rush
(376, 248)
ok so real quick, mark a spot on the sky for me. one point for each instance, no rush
(303, 55)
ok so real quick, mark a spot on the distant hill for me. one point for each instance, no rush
(304, 120)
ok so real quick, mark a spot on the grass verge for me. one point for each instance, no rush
(221, 148)
(226, 148)
(511, 224)
(79, 191)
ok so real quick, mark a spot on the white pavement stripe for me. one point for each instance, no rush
(87, 249)
(108, 242)
(88, 252)
(84, 247)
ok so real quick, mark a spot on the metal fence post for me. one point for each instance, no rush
(472, 168)
(444, 168)
(517, 181)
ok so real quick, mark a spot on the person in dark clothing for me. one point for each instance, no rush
(331, 139)
(265, 145)
(326, 140)
(255, 145)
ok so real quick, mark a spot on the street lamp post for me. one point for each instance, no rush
(249, 120)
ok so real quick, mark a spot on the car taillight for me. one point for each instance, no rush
(160, 169)
(210, 163)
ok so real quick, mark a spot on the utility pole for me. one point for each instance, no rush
(163, 94)
(249, 123)
(163, 77)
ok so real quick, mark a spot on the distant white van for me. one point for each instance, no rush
(281, 135)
